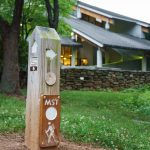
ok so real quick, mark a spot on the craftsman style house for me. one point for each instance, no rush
(102, 38)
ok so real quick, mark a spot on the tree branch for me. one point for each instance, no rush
(53, 13)
(56, 13)
(28, 32)
(17, 13)
(49, 12)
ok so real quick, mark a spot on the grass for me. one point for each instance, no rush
(105, 118)
(118, 120)
(12, 114)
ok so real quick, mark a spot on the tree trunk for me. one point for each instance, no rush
(10, 33)
(56, 13)
(10, 74)
(53, 13)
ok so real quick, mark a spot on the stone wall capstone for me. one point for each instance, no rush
(96, 79)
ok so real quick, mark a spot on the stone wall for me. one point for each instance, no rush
(94, 79)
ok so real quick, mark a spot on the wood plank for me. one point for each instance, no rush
(94, 15)
(45, 38)
(146, 30)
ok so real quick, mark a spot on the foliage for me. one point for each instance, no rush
(100, 118)
(66, 7)
(6, 9)
(138, 89)
(12, 114)
(140, 99)
(64, 29)
(118, 120)
(138, 103)
(35, 14)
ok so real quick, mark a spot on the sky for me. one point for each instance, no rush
(137, 9)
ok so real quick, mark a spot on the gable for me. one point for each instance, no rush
(134, 9)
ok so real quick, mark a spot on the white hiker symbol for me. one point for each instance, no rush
(50, 133)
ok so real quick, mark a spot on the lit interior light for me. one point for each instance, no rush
(82, 40)
(84, 61)
(65, 58)
(61, 56)
(140, 57)
(72, 34)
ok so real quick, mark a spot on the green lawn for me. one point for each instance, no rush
(119, 120)
(12, 114)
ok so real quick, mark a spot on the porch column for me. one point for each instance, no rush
(79, 15)
(144, 63)
(99, 57)
(107, 25)
(73, 57)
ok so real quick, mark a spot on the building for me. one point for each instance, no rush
(108, 39)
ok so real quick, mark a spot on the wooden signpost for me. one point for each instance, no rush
(50, 106)
(43, 100)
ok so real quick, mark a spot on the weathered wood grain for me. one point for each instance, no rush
(45, 38)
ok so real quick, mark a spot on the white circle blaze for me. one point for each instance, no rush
(50, 78)
(51, 113)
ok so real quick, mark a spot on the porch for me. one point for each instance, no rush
(101, 48)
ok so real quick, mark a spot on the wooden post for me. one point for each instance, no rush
(43, 100)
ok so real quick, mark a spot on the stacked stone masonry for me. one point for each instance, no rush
(95, 79)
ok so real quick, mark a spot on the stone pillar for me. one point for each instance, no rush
(144, 63)
(99, 58)
(73, 58)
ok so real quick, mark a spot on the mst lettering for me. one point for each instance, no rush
(51, 102)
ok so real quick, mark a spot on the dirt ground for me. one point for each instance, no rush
(16, 142)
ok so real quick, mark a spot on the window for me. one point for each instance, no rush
(92, 20)
(66, 56)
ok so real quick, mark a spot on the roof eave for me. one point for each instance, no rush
(87, 37)
(127, 48)
(145, 24)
